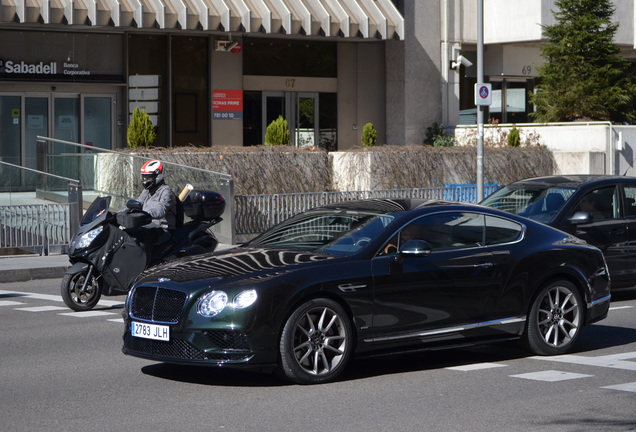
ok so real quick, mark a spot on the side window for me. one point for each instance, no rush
(630, 200)
(442, 231)
(500, 230)
(602, 204)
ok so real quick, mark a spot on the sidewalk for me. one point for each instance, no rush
(20, 268)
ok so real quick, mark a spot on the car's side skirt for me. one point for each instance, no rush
(456, 329)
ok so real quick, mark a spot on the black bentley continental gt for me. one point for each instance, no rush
(369, 277)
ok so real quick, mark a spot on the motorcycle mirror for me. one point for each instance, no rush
(134, 205)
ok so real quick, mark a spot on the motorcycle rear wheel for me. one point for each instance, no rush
(72, 293)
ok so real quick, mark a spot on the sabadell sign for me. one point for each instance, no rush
(41, 68)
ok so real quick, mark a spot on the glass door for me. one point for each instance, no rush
(98, 131)
(306, 125)
(36, 119)
(299, 109)
(10, 140)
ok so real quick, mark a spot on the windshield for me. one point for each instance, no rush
(335, 232)
(538, 202)
(99, 206)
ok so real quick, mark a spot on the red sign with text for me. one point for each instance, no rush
(227, 104)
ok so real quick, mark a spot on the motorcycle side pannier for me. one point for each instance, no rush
(204, 205)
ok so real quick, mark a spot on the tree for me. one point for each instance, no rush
(277, 132)
(141, 132)
(584, 76)
(369, 135)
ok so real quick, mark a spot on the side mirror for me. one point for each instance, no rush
(413, 249)
(134, 205)
(580, 218)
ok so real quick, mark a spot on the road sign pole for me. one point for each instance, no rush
(480, 108)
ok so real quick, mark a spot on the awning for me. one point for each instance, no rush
(367, 19)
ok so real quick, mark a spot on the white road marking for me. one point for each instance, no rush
(551, 376)
(620, 307)
(87, 314)
(56, 298)
(41, 308)
(117, 320)
(610, 361)
(10, 303)
(478, 366)
(628, 387)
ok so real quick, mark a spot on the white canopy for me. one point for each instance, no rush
(368, 19)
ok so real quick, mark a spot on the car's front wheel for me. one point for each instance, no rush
(556, 319)
(316, 342)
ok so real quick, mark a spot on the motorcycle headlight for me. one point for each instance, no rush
(212, 303)
(244, 299)
(88, 238)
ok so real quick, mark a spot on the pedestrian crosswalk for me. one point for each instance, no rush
(28, 302)
(622, 361)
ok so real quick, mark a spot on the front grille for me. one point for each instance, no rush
(178, 349)
(157, 304)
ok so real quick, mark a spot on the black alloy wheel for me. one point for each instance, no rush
(316, 342)
(556, 319)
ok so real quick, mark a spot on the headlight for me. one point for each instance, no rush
(212, 303)
(244, 299)
(88, 238)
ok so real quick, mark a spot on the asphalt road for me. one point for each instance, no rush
(64, 371)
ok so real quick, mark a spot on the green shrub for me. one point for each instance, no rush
(514, 138)
(369, 135)
(436, 136)
(141, 132)
(277, 132)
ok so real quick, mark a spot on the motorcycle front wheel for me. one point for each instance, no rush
(73, 295)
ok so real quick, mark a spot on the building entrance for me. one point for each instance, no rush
(299, 109)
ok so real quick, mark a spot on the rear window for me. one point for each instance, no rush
(541, 203)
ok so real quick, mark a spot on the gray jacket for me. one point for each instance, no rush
(160, 202)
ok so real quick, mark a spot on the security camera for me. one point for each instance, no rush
(461, 60)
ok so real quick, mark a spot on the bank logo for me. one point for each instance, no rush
(41, 68)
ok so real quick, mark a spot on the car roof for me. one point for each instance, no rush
(576, 180)
(386, 205)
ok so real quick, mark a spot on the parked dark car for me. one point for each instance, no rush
(369, 277)
(598, 209)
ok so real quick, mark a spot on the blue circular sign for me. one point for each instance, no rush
(483, 92)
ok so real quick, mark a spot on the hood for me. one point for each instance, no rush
(254, 263)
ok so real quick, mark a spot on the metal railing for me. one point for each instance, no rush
(256, 213)
(28, 220)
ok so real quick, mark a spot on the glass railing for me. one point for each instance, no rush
(107, 172)
(29, 221)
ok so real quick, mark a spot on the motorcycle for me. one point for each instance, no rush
(106, 257)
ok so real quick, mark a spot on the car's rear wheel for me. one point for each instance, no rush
(556, 319)
(316, 342)
(73, 295)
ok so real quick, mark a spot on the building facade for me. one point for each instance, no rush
(208, 72)
(217, 72)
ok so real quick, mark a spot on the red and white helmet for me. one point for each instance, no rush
(152, 174)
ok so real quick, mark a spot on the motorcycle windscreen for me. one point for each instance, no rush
(125, 260)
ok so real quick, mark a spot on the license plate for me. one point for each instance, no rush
(150, 331)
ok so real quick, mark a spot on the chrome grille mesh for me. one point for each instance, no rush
(157, 304)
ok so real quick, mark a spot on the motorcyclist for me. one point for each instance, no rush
(157, 198)
(160, 202)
